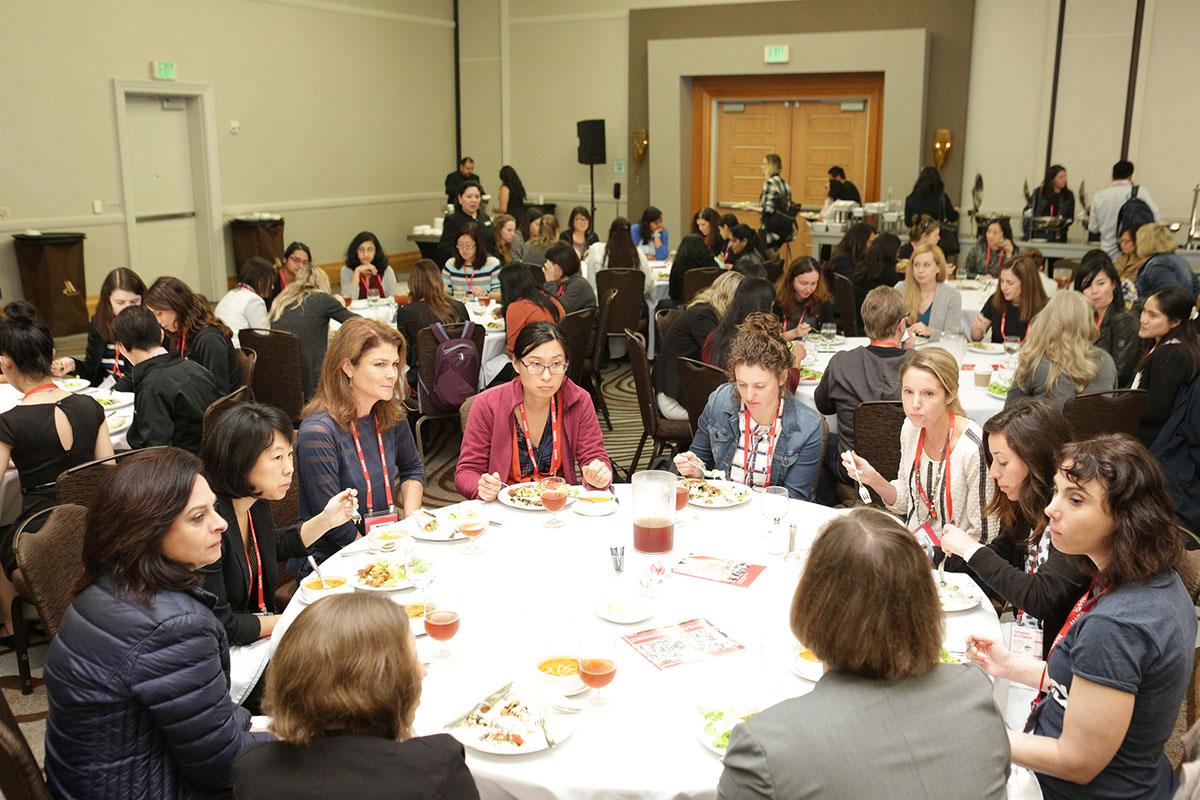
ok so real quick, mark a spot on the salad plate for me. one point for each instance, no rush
(381, 575)
(716, 725)
(119, 423)
(716, 493)
(957, 595)
(522, 720)
(528, 496)
(810, 377)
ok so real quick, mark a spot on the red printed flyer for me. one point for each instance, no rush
(721, 570)
(683, 643)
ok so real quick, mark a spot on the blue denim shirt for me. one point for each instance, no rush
(797, 452)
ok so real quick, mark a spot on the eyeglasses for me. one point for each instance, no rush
(299, 261)
(557, 368)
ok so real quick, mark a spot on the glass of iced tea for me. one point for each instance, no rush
(597, 668)
(472, 527)
(683, 490)
(554, 499)
(441, 623)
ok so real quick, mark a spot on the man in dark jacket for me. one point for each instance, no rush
(170, 393)
(455, 180)
(845, 190)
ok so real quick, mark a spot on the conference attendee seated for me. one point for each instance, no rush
(1173, 358)
(745, 248)
(849, 251)
(579, 233)
(933, 307)
(102, 358)
(693, 253)
(244, 306)
(886, 719)
(247, 459)
(751, 295)
(522, 302)
(428, 304)
(685, 339)
(466, 212)
(342, 693)
(1124, 654)
(1164, 266)
(1058, 359)
(1021, 564)
(529, 223)
(194, 332)
(305, 308)
(925, 230)
(871, 372)
(618, 252)
(471, 271)
(564, 281)
(354, 436)
(943, 471)
(366, 271)
(296, 257)
(706, 224)
(802, 298)
(1103, 216)
(1129, 263)
(170, 393)
(1008, 311)
(48, 431)
(137, 677)
(993, 248)
(650, 235)
(506, 234)
(845, 189)
(877, 268)
(753, 428)
(537, 425)
(542, 234)
(1100, 283)
(726, 225)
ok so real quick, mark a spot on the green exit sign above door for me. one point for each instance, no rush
(162, 70)
(775, 54)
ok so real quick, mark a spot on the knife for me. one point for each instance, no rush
(487, 701)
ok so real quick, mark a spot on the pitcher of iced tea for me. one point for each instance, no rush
(654, 511)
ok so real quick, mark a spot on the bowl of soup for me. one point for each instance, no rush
(559, 673)
(313, 588)
(388, 535)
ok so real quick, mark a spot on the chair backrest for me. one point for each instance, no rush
(278, 379)
(630, 284)
(664, 318)
(843, 299)
(427, 345)
(222, 404)
(78, 484)
(698, 380)
(51, 561)
(20, 777)
(640, 367)
(774, 269)
(464, 411)
(286, 512)
(1093, 413)
(607, 300)
(697, 280)
(577, 329)
(877, 425)
(246, 361)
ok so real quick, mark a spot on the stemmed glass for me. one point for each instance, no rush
(682, 492)
(470, 526)
(1012, 344)
(829, 334)
(597, 668)
(372, 297)
(774, 506)
(554, 499)
(420, 573)
(442, 624)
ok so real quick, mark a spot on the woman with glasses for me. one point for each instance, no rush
(537, 425)
(296, 257)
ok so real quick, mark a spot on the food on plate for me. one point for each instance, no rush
(807, 374)
(946, 657)
(507, 722)
(529, 495)
(316, 584)
(417, 610)
(710, 494)
(383, 574)
(718, 723)
(996, 387)
(561, 666)
(951, 594)
(496, 325)
(808, 655)
(107, 401)
(986, 347)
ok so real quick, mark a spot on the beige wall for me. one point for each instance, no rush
(345, 118)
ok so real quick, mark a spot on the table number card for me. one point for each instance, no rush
(720, 570)
(672, 645)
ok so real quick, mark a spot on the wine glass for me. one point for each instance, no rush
(554, 499)
(441, 623)
(471, 524)
(1012, 344)
(597, 668)
(683, 490)
(421, 574)
(774, 506)
(372, 297)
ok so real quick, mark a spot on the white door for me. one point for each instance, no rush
(160, 154)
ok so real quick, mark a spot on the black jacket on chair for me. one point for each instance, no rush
(170, 395)
(213, 350)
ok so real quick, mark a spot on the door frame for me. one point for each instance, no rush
(707, 91)
(206, 175)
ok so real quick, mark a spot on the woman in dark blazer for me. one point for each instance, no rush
(929, 197)
(1100, 283)
(1173, 360)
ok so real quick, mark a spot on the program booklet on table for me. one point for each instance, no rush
(682, 643)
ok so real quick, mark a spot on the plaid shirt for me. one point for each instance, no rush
(759, 462)
(775, 195)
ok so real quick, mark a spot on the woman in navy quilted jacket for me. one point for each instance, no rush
(138, 676)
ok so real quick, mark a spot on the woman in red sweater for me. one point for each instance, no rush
(522, 301)
(537, 425)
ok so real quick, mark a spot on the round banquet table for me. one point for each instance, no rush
(533, 591)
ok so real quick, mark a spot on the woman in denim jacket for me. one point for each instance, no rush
(753, 429)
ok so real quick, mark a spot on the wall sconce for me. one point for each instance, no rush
(942, 142)
(641, 146)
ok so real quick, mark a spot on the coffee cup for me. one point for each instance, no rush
(983, 374)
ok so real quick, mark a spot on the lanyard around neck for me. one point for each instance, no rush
(771, 434)
(555, 456)
(362, 462)
(926, 499)
(37, 389)
(262, 603)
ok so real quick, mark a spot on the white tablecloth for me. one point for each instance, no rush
(495, 342)
(533, 591)
(975, 294)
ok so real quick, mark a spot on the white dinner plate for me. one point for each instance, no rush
(733, 494)
(109, 400)
(540, 704)
(707, 737)
(358, 583)
(809, 670)
(505, 497)
(812, 381)
(626, 610)
(997, 395)
(605, 504)
(447, 529)
(118, 423)
(959, 594)
(72, 384)
(986, 347)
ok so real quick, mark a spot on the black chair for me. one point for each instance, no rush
(664, 318)
(426, 352)
(222, 404)
(1093, 413)
(278, 379)
(592, 367)
(664, 431)
(877, 425)
(577, 328)
(843, 300)
(698, 380)
(630, 285)
(697, 280)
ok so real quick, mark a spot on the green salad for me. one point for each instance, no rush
(807, 374)
(996, 387)
(718, 723)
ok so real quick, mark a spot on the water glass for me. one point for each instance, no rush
(774, 506)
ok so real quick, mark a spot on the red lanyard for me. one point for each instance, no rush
(117, 360)
(182, 341)
(282, 279)
(262, 603)
(37, 389)
(1004, 323)
(247, 288)
(561, 288)
(987, 261)
(1084, 605)
(555, 457)
(770, 446)
(883, 343)
(366, 286)
(387, 480)
(799, 322)
(945, 473)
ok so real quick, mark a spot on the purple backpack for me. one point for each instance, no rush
(455, 369)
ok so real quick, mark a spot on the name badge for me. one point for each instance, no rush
(1027, 641)
(926, 536)
(379, 519)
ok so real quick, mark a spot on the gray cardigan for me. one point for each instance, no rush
(946, 314)
(1064, 387)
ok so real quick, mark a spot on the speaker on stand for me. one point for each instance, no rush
(591, 152)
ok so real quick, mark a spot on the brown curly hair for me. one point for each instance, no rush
(759, 343)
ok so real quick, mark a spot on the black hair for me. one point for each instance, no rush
(468, 184)
(929, 181)
(26, 339)
(1048, 181)
(881, 253)
(136, 328)
(650, 215)
(380, 261)
(516, 283)
(837, 172)
(564, 256)
(576, 211)
(294, 246)
(619, 251)
(531, 213)
(1122, 170)
(1177, 304)
(748, 235)
(1093, 263)
(1005, 228)
(510, 178)
(749, 267)
(751, 295)
(729, 220)
(693, 253)
(258, 274)
(1131, 229)
(464, 160)
(536, 334)
(854, 241)
(233, 444)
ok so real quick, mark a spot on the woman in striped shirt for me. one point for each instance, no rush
(471, 270)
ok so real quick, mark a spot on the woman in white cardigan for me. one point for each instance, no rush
(943, 473)
(933, 307)
(619, 252)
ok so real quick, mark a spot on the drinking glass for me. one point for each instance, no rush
(682, 491)
(472, 527)
(442, 624)
(554, 499)
(421, 574)
(774, 506)
(597, 668)
(1012, 344)
(372, 297)
(828, 336)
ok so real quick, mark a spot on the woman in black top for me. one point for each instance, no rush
(122, 287)
(194, 331)
(693, 253)
(1021, 564)
(929, 197)
(248, 463)
(1097, 278)
(745, 247)
(1173, 360)
(428, 304)
(470, 195)
(802, 299)
(849, 251)
(877, 267)
(1008, 311)
(579, 233)
(30, 433)
(512, 193)
(1054, 199)
(564, 280)
(752, 295)
(296, 257)
(707, 224)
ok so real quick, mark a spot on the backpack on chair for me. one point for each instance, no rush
(455, 369)
(1134, 211)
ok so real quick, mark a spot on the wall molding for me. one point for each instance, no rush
(358, 11)
(46, 224)
(329, 202)
(545, 19)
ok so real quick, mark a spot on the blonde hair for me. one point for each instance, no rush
(720, 294)
(941, 365)
(912, 291)
(334, 393)
(347, 666)
(548, 232)
(503, 248)
(309, 279)
(1154, 238)
(1062, 334)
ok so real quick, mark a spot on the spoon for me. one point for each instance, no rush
(313, 563)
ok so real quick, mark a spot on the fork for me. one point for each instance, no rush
(863, 494)
(550, 741)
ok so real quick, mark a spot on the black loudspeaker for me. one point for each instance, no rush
(591, 141)
(617, 190)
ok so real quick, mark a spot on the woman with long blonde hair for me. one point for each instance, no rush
(304, 308)
(1058, 359)
(933, 307)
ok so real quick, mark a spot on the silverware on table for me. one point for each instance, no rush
(863, 494)
(550, 742)
(487, 701)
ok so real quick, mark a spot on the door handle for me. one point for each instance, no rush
(161, 217)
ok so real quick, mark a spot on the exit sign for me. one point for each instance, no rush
(162, 70)
(775, 54)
